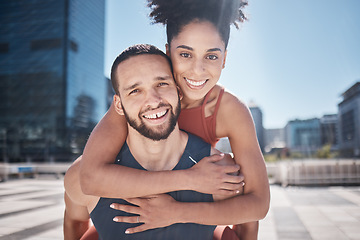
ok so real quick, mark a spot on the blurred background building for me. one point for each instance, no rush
(329, 130)
(349, 122)
(274, 139)
(303, 136)
(330, 136)
(338, 133)
(52, 84)
(258, 121)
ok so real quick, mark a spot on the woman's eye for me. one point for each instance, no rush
(185, 55)
(212, 57)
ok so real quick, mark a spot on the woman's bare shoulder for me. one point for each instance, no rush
(232, 113)
(230, 101)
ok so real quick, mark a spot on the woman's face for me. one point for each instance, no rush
(198, 55)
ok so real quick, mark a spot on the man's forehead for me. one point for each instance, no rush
(144, 67)
(145, 57)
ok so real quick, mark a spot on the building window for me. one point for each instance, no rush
(348, 126)
(73, 46)
(4, 47)
(45, 44)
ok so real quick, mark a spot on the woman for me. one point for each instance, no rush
(197, 35)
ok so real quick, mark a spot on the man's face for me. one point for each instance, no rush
(149, 97)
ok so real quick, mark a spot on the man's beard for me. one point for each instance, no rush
(155, 133)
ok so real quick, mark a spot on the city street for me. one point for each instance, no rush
(33, 209)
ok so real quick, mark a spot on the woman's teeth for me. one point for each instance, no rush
(195, 83)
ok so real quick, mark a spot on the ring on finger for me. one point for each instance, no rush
(138, 219)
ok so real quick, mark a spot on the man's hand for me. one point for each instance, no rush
(217, 174)
(154, 212)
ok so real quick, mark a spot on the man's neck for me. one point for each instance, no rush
(157, 155)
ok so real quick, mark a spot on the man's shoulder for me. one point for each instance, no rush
(195, 139)
(197, 147)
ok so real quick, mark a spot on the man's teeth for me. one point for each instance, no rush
(155, 115)
(197, 83)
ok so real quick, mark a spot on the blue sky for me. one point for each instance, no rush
(292, 58)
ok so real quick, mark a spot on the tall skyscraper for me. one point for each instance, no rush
(52, 87)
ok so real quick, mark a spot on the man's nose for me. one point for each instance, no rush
(153, 98)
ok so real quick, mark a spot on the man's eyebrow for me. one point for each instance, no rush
(166, 77)
(131, 87)
(159, 78)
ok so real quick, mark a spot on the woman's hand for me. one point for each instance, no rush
(218, 175)
(154, 212)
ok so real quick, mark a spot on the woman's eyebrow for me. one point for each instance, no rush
(191, 49)
(185, 47)
(214, 50)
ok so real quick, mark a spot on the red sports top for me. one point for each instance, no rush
(193, 120)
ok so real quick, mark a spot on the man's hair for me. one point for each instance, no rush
(135, 50)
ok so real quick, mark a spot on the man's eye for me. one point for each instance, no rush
(212, 57)
(163, 84)
(185, 55)
(133, 91)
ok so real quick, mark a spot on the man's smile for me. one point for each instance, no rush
(155, 115)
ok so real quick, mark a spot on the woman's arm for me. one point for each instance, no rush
(250, 207)
(100, 177)
(234, 121)
(76, 220)
(76, 216)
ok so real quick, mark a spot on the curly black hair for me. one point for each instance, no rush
(177, 13)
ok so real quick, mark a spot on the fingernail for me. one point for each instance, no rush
(115, 219)
(127, 232)
(222, 154)
(112, 206)
(237, 192)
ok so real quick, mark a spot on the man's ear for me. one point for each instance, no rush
(167, 47)
(181, 95)
(224, 59)
(117, 105)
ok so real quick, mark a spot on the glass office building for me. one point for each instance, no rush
(52, 84)
(303, 136)
(349, 122)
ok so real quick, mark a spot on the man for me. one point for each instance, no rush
(146, 94)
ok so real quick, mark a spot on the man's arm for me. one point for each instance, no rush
(98, 173)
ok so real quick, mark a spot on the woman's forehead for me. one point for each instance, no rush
(198, 33)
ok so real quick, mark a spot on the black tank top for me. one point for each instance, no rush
(102, 215)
